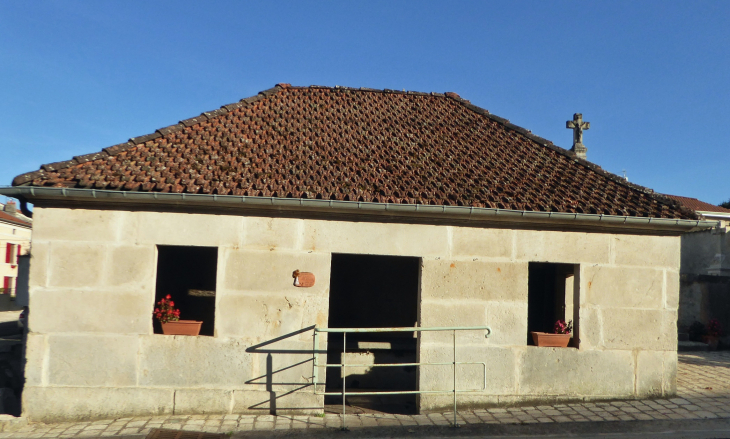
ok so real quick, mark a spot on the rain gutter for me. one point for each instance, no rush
(72, 197)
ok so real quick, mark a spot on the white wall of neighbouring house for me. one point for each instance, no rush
(92, 352)
(18, 237)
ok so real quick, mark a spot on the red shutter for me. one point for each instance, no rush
(8, 253)
(6, 285)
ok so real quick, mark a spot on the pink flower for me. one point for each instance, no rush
(563, 328)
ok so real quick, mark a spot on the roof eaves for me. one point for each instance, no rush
(364, 208)
(24, 179)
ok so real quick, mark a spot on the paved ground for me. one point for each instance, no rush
(703, 394)
(9, 316)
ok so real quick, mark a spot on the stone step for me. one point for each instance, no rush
(690, 346)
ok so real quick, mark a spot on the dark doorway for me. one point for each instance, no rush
(368, 291)
(550, 296)
(188, 274)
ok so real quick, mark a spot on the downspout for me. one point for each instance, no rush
(24, 207)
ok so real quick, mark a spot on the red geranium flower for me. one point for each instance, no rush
(165, 311)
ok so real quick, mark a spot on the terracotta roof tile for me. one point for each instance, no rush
(4, 216)
(695, 204)
(350, 144)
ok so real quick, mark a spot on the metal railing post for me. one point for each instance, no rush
(455, 424)
(315, 354)
(343, 364)
(344, 378)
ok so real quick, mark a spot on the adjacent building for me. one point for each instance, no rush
(705, 269)
(15, 232)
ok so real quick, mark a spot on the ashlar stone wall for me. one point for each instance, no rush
(628, 312)
(92, 352)
(705, 278)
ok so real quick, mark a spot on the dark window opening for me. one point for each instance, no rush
(552, 295)
(188, 274)
(368, 291)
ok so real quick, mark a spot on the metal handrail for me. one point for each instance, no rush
(343, 365)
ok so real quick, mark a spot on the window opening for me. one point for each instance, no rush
(552, 295)
(188, 275)
(9, 286)
(371, 291)
(12, 251)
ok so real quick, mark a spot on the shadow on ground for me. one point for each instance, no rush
(715, 428)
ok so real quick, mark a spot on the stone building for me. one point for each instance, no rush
(409, 209)
(704, 291)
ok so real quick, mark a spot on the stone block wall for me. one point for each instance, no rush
(705, 278)
(92, 352)
(628, 313)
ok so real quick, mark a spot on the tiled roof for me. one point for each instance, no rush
(11, 219)
(695, 204)
(361, 144)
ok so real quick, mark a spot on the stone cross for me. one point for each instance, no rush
(577, 125)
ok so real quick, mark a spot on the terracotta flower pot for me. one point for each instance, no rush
(550, 340)
(182, 327)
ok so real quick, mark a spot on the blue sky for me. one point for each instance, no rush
(652, 77)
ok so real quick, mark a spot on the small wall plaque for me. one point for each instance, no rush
(303, 279)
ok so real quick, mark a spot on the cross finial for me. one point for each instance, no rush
(577, 125)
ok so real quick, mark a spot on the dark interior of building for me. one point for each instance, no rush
(188, 274)
(370, 291)
(546, 296)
